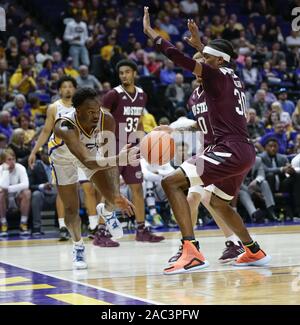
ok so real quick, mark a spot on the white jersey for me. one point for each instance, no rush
(58, 151)
(61, 109)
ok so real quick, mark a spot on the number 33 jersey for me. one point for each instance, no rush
(126, 109)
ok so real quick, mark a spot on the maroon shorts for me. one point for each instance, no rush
(224, 165)
(131, 175)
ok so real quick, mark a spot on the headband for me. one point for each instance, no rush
(210, 50)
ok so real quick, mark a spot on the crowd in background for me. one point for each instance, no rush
(92, 36)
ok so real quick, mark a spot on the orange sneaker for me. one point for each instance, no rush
(249, 259)
(191, 260)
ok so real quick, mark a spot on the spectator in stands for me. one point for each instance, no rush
(24, 123)
(4, 75)
(178, 92)
(17, 144)
(69, 70)
(106, 87)
(268, 75)
(280, 174)
(272, 120)
(38, 111)
(296, 117)
(5, 124)
(76, 34)
(189, 7)
(250, 73)
(148, 121)
(297, 144)
(285, 77)
(287, 105)
(280, 135)
(168, 27)
(57, 61)
(3, 142)
(217, 27)
(167, 74)
(47, 70)
(43, 54)
(26, 27)
(22, 81)
(14, 189)
(129, 46)
(275, 55)
(12, 52)
(153, 65)
(4, 96)
(230, 32)
(34, 65)
(106, 50)
(293, 40)
(43, 192)
(161, 32)
(255, 128)
(20, 107)
(87, 80)
(260, 105)
(269, 96)
(255, 183)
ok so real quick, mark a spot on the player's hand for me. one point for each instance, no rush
(125, 205)
(31, 160)
(146, 21)
(164, 128)
(194, 39)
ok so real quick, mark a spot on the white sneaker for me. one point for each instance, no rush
(112, 222)
(79, 262)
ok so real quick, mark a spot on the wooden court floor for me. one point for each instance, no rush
(39, 272)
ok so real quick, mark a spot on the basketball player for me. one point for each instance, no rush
(78, 136)
(66, 87)
(126, 103)
(197, 193)
(225, 164)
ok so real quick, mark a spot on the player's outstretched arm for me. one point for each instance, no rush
(168, 49)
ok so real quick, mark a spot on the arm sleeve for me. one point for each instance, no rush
(24, 182)
(171, 52)
(110, 100)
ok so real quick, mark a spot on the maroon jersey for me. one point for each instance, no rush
(126, 109)
(225, 97)
(197, 104)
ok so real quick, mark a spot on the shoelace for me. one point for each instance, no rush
(109, 219)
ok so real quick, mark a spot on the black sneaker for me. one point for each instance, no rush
(231, 252)
(64, 234)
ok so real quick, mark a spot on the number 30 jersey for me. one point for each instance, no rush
(197, 105)
(126, 109)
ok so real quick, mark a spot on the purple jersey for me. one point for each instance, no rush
(126, 109)
(226, 100)
(197, 104)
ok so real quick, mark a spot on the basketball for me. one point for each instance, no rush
(157, 147)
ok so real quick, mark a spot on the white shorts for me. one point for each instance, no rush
(71, 173)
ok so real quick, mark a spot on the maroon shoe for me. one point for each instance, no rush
(174, 258)
(103, 239)
(231, 252)
(146, 235)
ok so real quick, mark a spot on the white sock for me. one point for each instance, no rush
(78, 243)
(61, 222)
(234, 239)
(93, 221)
(24, 219)
(3, 221)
